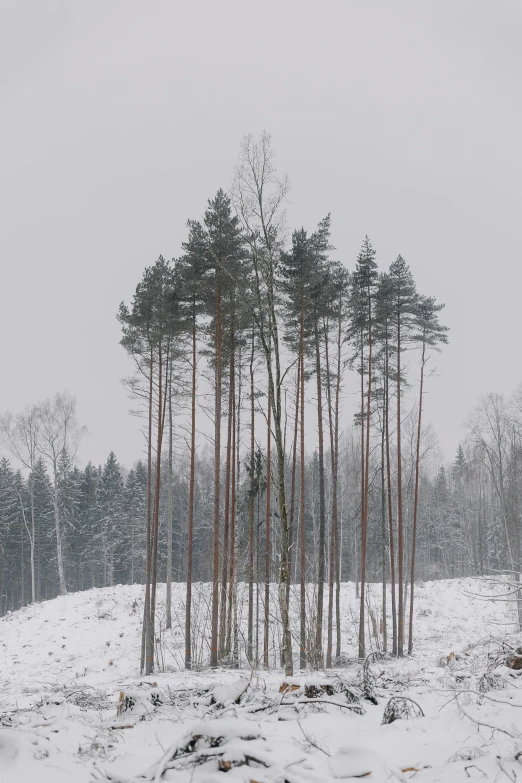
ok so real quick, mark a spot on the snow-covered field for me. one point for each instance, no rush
(73, 706)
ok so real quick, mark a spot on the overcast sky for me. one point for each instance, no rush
(119, 119)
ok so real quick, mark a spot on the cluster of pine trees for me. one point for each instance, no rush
(271, 328)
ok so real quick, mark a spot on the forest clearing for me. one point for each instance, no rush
(75, 707)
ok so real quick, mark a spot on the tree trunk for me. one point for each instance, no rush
(146, 605)
(229, 639)
(360, 594)
(33, 545)
(294, 470)
(390, 506)
(416, 503)
(188, 601)
(267, 533)
(58, 533)
(333, 418)
(364, 532)
(162, 400)
(322, 513)
(168, 607)
(217, 469)
(302, 528)
(226, 522)
(383, 529)
(250, 637)
(400, 537)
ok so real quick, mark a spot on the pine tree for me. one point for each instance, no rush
(149, 328)
(384, 329)
(403, 297)
(334, 317)
(224, 254)
(192, 266)
(363, 293)
(319, 245)
(297, 275)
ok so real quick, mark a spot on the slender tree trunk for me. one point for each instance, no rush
(275, 397)
(267, 532)
(58, 533)
(390, 506)
(360, 594)
(322, 511)
(338, 561)
(188, 601)
(146, 605)
(362, 647)
(162, 400)
(38, 549)
(294, 471)
(333, 446)
(226, 518)
(33, 543)
(258, 571)
(416, 502)
(400, 536)
(383, 519)
(335, 513)
(356, 553)
(217, 468)
(250, 639)
(229, 639)
(302, 528)
(168, 607)
(30, 536)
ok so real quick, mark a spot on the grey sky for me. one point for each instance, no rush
(119, 120)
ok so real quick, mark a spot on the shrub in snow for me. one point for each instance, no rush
(368, 678)
(466, 754)
(343, 660)
(490, 681)
(401, 708)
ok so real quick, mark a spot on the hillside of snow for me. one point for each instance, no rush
(73, 706)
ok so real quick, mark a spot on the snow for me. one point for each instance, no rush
(74, 708)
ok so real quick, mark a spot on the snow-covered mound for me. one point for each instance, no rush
(73, 705)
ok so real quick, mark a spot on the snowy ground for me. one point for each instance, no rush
(65, 664)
